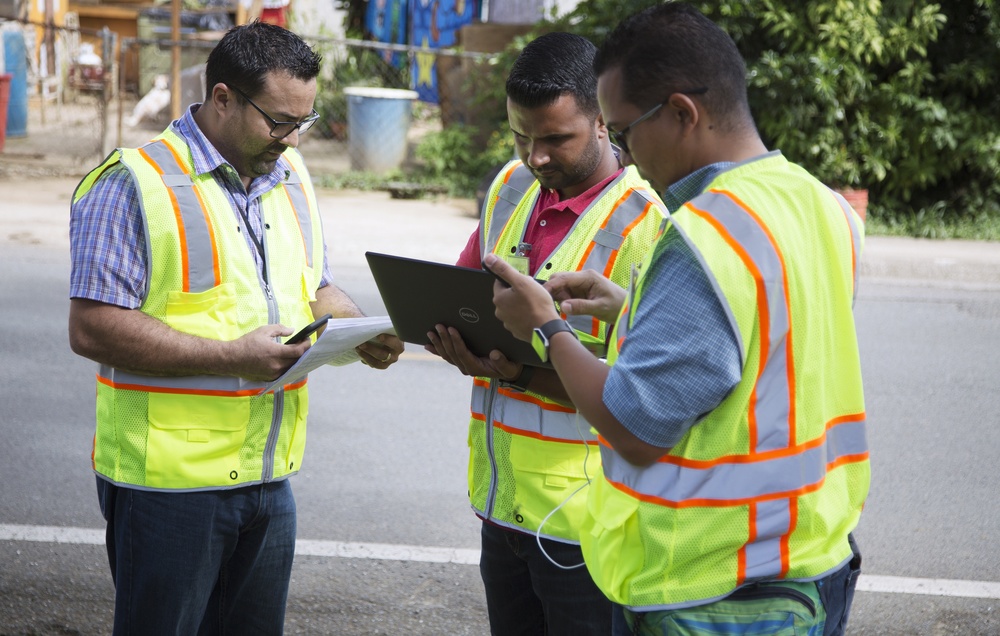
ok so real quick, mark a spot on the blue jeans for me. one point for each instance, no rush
(526, 594)
(207, 563)
(837, 592)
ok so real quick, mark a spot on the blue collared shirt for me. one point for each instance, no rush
(107, 238)
(681, 358)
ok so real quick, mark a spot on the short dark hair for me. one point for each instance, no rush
(247, 53)
(672, 48)
(551, 66)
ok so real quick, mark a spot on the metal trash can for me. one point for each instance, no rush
(377, 122)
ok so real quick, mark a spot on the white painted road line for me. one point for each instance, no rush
(928, 587)
(51, 534)
(304, 547)
(386, 551)
(425, 554)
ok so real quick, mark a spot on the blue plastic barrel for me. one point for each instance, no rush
(377, 122)
(16, 61)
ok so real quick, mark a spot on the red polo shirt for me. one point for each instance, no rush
(550, 222)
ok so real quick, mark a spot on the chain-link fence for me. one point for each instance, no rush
(377, 101)
(63, 81)
(382, 99)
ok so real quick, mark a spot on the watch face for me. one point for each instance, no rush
(540, 344)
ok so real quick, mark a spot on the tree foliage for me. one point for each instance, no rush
(890, 95)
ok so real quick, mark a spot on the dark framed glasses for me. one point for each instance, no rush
(281, 129)
(619, 136)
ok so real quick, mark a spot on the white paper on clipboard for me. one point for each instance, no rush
(335, 346)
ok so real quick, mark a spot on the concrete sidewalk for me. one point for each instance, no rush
(35, 211)
(39, 172)
(924, 262)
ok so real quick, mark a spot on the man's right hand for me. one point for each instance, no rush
(258, 356)
(586, 292)
(130, 340)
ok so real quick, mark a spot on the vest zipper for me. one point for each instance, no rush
(756, 592)
(267, 470)
(277, 413)
(488, 415)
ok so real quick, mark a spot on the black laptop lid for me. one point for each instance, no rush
(420, 294)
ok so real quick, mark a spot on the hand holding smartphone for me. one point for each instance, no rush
(308, 330)
(496, 276)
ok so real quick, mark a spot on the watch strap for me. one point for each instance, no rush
(553, 327)
(541, 337)
(520, 383)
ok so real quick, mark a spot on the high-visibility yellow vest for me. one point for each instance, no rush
(769, 484)
(527, 453)
(209, 432)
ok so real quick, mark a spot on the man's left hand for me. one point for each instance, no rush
(447, 343)
(381, 352)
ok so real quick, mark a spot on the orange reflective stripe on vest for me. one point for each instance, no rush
(199, 253)
(775, 470)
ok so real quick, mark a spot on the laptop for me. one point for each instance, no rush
(420, 294)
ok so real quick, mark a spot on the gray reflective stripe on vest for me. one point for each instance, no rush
(769, 482)
(196, 232)
(531, 419)
(182, 384)
(297, 195)
(855, 237)
(508, 197)
(769, 485)
(772, 407)
(610, 238)
(772, 520)
(739, 482)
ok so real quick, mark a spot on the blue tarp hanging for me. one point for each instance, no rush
(434, 25)
(385, 21)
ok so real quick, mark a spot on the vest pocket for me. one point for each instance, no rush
(210, 314)
(608, 538)
(195, 440)
(297, 440)
(544, 476)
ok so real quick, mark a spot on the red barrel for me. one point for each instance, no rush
(4, 99)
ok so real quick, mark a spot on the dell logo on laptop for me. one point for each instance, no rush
(468, 315)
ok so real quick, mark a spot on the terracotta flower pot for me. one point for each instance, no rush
(857, 198)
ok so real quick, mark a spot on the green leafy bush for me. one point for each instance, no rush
(456, 157)
(893, 96)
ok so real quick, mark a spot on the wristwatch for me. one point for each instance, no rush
(542, 336)
(520, 383)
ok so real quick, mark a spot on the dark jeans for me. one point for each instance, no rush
(837, 592)
(526, 594)
(207, 563)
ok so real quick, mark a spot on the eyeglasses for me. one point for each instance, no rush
(619, 137)
(281, 129)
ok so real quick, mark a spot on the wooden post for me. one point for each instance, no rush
(175, 59)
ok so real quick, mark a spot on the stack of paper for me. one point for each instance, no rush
(335, 346)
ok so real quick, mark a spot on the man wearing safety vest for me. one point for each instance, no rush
(730, 411)
(566, 205)
(194, 257)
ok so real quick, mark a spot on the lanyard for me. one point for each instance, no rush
(257, 242)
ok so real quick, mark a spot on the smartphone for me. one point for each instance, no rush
(496, 276)
(308, 330)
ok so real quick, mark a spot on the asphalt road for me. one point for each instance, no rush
(381, 495)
